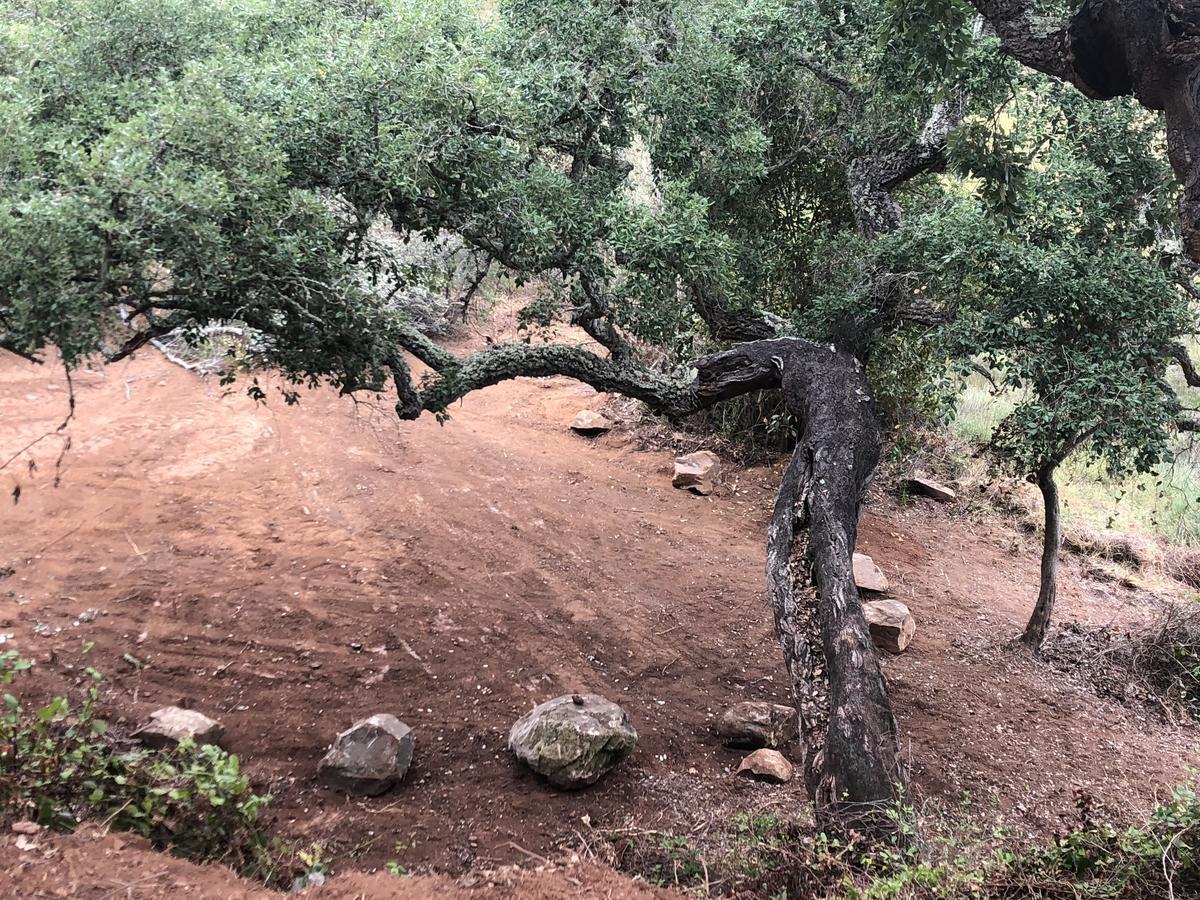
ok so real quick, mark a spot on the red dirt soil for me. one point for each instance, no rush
(288, 570)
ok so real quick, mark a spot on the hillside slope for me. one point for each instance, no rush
(290, 569)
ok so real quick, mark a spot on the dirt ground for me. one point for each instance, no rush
(289, 569)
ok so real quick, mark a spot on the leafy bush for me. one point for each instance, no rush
(60, 767)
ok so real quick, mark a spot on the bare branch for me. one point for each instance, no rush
(1180, 355)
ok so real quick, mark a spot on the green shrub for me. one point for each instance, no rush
(60, 767)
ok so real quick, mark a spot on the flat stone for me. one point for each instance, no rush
(867, 575)
(172, 724)
(753, 724)
(927, 487)
(590, 423)
(767, 765)
(892, 625)
(573, 740)
(697, 472)
(369, 757)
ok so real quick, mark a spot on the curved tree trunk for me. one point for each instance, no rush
(850, 742)
(1035, 631)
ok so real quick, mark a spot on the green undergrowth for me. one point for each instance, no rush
(60, 767)
(770, 857)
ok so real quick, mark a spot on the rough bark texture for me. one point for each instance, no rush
(1147, 49)
(849, 738)
(1039, 622)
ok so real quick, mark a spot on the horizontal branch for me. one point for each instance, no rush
(755, 365)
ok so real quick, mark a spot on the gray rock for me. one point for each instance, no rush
(369, 757)
(573, 740)
(767, 765)
(753, 724)
(172, 724)
(892, 625)
(697, 472)
(867, 575)
(590, 423)
(927, 487)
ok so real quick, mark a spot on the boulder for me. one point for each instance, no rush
(926, 487)
(573, 740)
(753, 724)
(369, 757)
(697, 472)
(892, 625)
(590, 423)
(767, 765)
(172, 724)
(867, 575)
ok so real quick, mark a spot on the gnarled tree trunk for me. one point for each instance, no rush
(850, 741)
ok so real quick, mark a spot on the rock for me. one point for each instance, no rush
(590, 423)
(26, 827)
(172, 724)
(926, 487)
(867, 575)
(767, 765)
(369, 757)
(753, 724)
(892, 625)
(573, 740)
(697, 472)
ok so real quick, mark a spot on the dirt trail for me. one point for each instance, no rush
(290, 569)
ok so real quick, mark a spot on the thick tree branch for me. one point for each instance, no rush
(1180, 355)
(1036, 41)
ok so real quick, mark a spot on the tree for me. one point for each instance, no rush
(232, 163)
(1120, 48)
(1075, 309)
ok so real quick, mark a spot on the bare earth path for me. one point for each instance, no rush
(290, 569)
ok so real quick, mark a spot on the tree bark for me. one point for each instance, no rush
(1039, 622)
(850, 742)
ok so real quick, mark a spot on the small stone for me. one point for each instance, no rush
(590, 423)
(867, 575)
(573, 740)
(26, 827)
(369, 757)
(927, 487)
(892, 625)
(172, 724)
(697, 472)
(752, 724)
(767, 765)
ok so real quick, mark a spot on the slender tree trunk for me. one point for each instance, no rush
(1035, 631)
(850, 742)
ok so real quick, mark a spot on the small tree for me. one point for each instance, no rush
(1077, 314)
